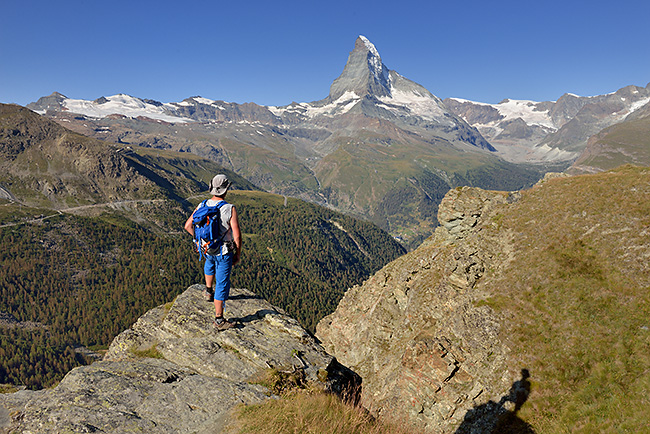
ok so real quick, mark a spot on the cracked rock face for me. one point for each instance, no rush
(197, 377)
(415, 332)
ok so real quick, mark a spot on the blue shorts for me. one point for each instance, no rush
(220, 267)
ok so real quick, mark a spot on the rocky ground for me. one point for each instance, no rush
(172, 372)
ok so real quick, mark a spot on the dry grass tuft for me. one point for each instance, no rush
(311, 412)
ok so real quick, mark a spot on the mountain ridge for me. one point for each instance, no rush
(620, 144)
(549, 130)
(317, 151)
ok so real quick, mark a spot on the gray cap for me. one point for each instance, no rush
(219, 185)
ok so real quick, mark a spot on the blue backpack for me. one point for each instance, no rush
(207, 228)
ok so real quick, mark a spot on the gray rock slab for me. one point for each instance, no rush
(196, 377)
(184, 334)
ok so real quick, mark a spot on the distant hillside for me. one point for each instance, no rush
(45, 164)
(92, 238)
(523, 313)
(625, 143)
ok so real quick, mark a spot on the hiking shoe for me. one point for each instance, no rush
(208, 295)
(224, 324)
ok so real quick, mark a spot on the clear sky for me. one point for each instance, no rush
(276, 52)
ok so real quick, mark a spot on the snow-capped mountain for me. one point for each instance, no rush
(120, 104)
(550, 130)
(378, 145)
(518, 130)
(367, 86)
(364, 73)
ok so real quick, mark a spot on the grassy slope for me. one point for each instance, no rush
(315, 412)
(577, 298)
(624, 143)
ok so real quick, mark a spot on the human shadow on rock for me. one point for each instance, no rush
(494, 418)
(260, 314)
(245, 297)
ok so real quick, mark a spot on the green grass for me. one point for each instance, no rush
(8, 388)
(304, 407)
(280, 382)
(578, 298)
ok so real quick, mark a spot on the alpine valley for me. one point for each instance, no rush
(479, 292)
(92, 238)
(379, 146)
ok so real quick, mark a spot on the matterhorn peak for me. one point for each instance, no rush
(364, 74)
(375, 58)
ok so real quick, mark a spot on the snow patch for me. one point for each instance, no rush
(555, 154)
(640, 103)
(374, 61)
(512, 109)
(202, 100)
(370, 46)
(122, 105)
(524, 109)
(466, 101)
(342, 105)
(424, 106)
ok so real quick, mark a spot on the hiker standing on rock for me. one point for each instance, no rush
(221, 248)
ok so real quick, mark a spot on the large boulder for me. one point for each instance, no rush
(416, 332)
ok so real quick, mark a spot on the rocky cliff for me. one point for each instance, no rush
(417, 333)
(171, 372)
(537, 297)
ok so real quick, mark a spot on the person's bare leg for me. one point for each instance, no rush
(218, 308)
(209, 282)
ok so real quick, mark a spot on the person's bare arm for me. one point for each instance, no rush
(189, 227)
(236, 235)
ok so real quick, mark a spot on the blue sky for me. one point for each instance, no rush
(273, 53)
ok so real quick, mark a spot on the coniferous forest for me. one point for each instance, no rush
(79, 281)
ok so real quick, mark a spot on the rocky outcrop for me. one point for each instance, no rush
(417, 331)
(7, 320)
(171, 372)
